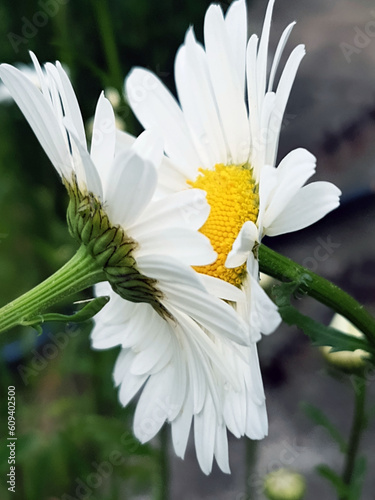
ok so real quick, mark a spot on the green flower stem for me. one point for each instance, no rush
(162, 486)
(358, 426)
(250, 461)
(282, 268)
(79, 273)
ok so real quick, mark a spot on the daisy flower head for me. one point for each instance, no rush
(222, 137)
(185, 350)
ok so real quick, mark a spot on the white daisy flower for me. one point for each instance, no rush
(223, 138)
(184, 349)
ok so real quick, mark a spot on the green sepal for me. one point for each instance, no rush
(110, 247)
(87, 231)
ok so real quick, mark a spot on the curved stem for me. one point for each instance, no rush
(80, 272)
(282, 268)
(358, 425)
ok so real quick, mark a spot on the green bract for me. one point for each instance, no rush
(110, 247)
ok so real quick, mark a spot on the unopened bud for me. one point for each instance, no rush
(113, 97)
(284, 484)
(348, 361)
(266, 282)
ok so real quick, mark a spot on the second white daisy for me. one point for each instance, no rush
(223, 138)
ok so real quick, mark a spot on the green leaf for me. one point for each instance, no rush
(84, 314)
(317, 416)
(334, 479)
(320, 335)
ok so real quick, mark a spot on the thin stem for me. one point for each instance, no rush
(358, 425)
(282, 268)
(79, 273)
(163, 478)
(251, 448)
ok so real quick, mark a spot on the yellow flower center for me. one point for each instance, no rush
(233, 197)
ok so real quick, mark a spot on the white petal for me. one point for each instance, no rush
(278, 54)
(157, 354)
(133, 182)
(257, 422)
(106, 336)
(282, 95)
(39, 72)
(221, 448)
(254, 381)
(130, 384)
(267, 186)
(186, 209)
(168, 270)
(197, 101)
(181, 426)
(149, 146)
(40, 116)
(203, 356)
(209, 311)
(103, 288)
(64, 102)
(117, 310)
(196, 359)
(85, 169)
(124, 141)
(122, 365)
(294, 170)
(266, 135)
(103, 138)
(70, 102)
(263, 52)
(222, 289)
(252, 86)
(205, 424)
(228, 89)
(236, 25)
(242, 245)
(143, 327)
(155, 107)
(255, 106)
(235, 405)
(171, 178)
(155, 404)
(263, 312)
(310, 204)
(187, 245)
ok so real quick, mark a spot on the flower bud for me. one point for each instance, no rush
(284, 484)
(348, 361)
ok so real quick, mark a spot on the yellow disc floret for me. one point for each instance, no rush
(233, 198)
